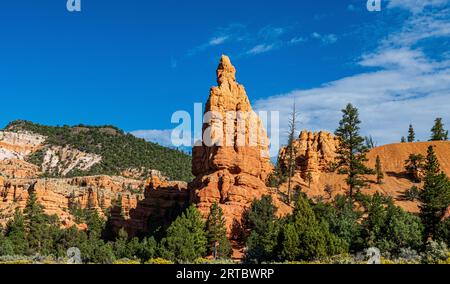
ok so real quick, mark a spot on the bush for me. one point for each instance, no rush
(158, 261)
(411, 194)
(389, 227)
(443, 232)
(435, 252)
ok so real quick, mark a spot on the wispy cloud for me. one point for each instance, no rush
(265, 39)
(404, 85)
(261, 48)
(416, 6)
(218, 40)
(326, 39)
(296, 40)
(232, 32)
(271, 32)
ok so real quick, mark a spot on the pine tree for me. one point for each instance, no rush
(403, 140)
(36, 223)
(351, 153)
(219, 245)
(291, 151)
(437, 132)
(435, 196)
(304, 237)
(379, 170)
(261, 222)
(6, 246)
(186, 238)
(369, 142)
(411, 134)
(120, 245)
(16, 233)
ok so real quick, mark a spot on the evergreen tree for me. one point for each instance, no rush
(343, 220)
(16, 233)
(6, 246)
(121, 245)
(278, 176)
(442, 233)
(389, 227)
(411, 134)
(351, 154)
(403, 139)
(36, 223)
(261, 222)
(304, 237)
(379, 170)
(435, 196)
(291, 151)
(437, 132)
(370, 144)
(186, 239)
(148, 249)
(217, 233)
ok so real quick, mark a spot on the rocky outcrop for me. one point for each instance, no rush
(131, 202)
(314, 152)
(13, 168)
(17, 145)
(56, 195)
(232, 163)
(62, 160)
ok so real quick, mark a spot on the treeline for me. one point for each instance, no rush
(355, 222)
(438, 133)
(119, 150)
(187, 239)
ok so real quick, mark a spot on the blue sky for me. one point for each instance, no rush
(133, 63)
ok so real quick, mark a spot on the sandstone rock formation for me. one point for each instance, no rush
(56, 195)
(314, 151)
(18, 145)
(232, 163)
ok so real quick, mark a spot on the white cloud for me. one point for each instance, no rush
(218, 40)
(326, 39)
(404, 86)
(261, 48)
(296, 40)
(162, 137)
(416, 6)
(270, 32)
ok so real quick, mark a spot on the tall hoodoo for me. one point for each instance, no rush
(232, 170)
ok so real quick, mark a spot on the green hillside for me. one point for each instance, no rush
(118, 149)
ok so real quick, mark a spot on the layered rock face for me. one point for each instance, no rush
(314, 152)
(18, 145)
(232, 163)
(56, 195)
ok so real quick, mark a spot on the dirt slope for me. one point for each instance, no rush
(396, 181)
